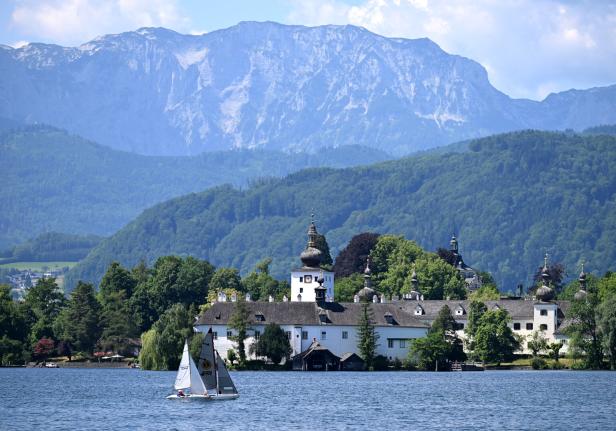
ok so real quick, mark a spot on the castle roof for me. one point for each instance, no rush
(307, 313)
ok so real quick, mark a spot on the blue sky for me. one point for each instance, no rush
(529, 47)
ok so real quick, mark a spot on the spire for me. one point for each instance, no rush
(311, 256)
(319, 291)
(453, 244)
(545, 292)
(367, 293)
(367, 274)
(415, 293)
(581, 294)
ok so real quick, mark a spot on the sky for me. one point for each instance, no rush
(530, 48)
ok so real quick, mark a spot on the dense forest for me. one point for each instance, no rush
(509, 198)
(52, 246)
(54, 181)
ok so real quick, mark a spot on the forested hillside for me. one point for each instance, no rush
(52, 246)
(54, 181)
(509, 199)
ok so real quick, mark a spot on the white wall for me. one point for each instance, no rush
(334, 340)
(306, 290)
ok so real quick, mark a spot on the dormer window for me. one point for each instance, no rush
(259, 317)
(389, 318)
(460, 311)
(323, 316)
(419, 310)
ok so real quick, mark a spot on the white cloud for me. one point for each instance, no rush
(529, 47)
(19, 44)
(72, 22)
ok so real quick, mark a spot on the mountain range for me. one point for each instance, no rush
(275, 87)
(55, 181)
(509, 198)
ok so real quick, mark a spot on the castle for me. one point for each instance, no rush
(312, 319)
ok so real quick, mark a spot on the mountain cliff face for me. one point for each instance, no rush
(266, 85)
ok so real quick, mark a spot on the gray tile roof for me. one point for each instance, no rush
(348, 313)
(307, 313)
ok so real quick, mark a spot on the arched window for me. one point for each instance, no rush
(299, 298)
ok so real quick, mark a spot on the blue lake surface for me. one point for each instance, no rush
(113, 399)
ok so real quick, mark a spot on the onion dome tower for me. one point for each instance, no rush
(319, 291)
(581, 294)
(415, 293)
(311, 256)
(367, 293)
(545, 293)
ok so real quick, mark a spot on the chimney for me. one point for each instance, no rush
(356, 298)
(271, 298)
(285, 299)
(375, 299)
(234, 297)
(248, 297)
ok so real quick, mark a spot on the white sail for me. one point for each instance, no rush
(225, 384)
(182, 379)
(188, 375)
(206, 364)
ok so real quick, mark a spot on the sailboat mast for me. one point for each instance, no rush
(215, 367)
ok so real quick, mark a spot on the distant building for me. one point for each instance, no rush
(313, 317)
(468, 274)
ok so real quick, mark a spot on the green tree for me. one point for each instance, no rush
(367, 337)
(346, 288)
(430, 351)
(273, 344)
(226, 278)
(584, 330)
(554, 349)
(537, 343)
(607, 323)
(326, 257)
(240, 322)
(115, 280)
(487, 292)
(441, 346)
(494, 340)
(476, 311)
(116, 327)
(148, 357)
(260, 284)
(606, 285)
(12, 328)
(173, 328)
(79, 322)
(43, 303)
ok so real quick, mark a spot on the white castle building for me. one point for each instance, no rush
(312, 318)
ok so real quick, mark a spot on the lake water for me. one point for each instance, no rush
(112, 399)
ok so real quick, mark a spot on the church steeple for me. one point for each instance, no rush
(367, 294)
(545, 292)
(453, 244)
(311, 256)
(581, 294)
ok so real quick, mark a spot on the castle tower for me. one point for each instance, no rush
(305, 280)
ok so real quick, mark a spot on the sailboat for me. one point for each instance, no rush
(188, 379)
(214, 373)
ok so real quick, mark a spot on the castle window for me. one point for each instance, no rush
(323, 335)
(301, 279)
(390, 343)
(215, 335)
(402, 344)
(301, 290)
(308, 279)
(543, 327)
(229, 334)
(304, 335)
(257, 334)
(529, 326)
(345, 335)
(544, 312)
(516, 326)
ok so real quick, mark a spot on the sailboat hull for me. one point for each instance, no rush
(189, 397)
(220, 397)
